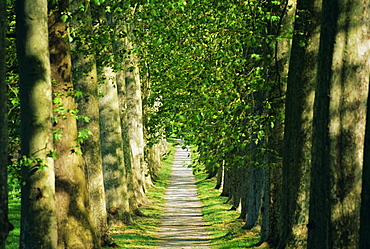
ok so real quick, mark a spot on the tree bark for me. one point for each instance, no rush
(220, 176)
(38, 213)
(75, 228)
(298, 126)
(5, 225)
(86, 80)
(365, 194)
(116, 175)
(339, 125)
(227, 181)
(129, 87)
(134, 114)
(257, 164)
(254, 196)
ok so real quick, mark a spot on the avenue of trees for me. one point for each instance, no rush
(274, 94)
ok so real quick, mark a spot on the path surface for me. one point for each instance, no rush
(182, 224)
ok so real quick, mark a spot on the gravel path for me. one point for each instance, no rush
(182, 224)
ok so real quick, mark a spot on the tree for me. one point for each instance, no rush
(4, 222)
(86, 83)
(115, 172)
(130, 104)
(365, 194)
(116, 175)
(298, 126)
(38, 213)
(75, 228)
(134, 114)
(339, 125)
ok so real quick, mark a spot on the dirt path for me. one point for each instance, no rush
(182, 224)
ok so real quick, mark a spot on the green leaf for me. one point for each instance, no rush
(64, 18)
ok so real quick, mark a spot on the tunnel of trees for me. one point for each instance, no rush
(274, 94)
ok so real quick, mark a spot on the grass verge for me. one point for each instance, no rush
(224, 227)
(143, 233)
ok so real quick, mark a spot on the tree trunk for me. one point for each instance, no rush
(298, 126)
(220, 176)
(257, 164)
(237, 187)
(152, 142)
(134, 112)
(115, 172)
(339, 125)
(86, 81)
(153, 160)
(75, 228)
(4, 222)
(254, 196)
(365, 194)
(116, 175)
(245, 192)
(265, 207)
(38, 213)
(227, 181)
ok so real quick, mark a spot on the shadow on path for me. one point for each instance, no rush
(182, 223)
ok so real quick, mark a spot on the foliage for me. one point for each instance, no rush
(13, 105)
(208, 62)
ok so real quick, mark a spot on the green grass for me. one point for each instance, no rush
(12, 241)
(224, 227)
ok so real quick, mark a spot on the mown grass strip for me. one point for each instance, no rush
(224, 227)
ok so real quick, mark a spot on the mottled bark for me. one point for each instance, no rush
(121, 85)
(38, 213)
(134, 114)
(257, 163)
(339, 125)
(117, 187)
(245, 193)
(365, 194)
(153, 160)
(220, 176)
(298, 126)
(152, 154)
(86, 81)
(265, 207)
(5, 226)
(227, 181)
(256, 183)
(75, 228)
(237, 187)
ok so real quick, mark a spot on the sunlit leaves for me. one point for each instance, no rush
(206, 59)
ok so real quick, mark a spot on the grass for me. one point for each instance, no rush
(223, 225)
(12, 241)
